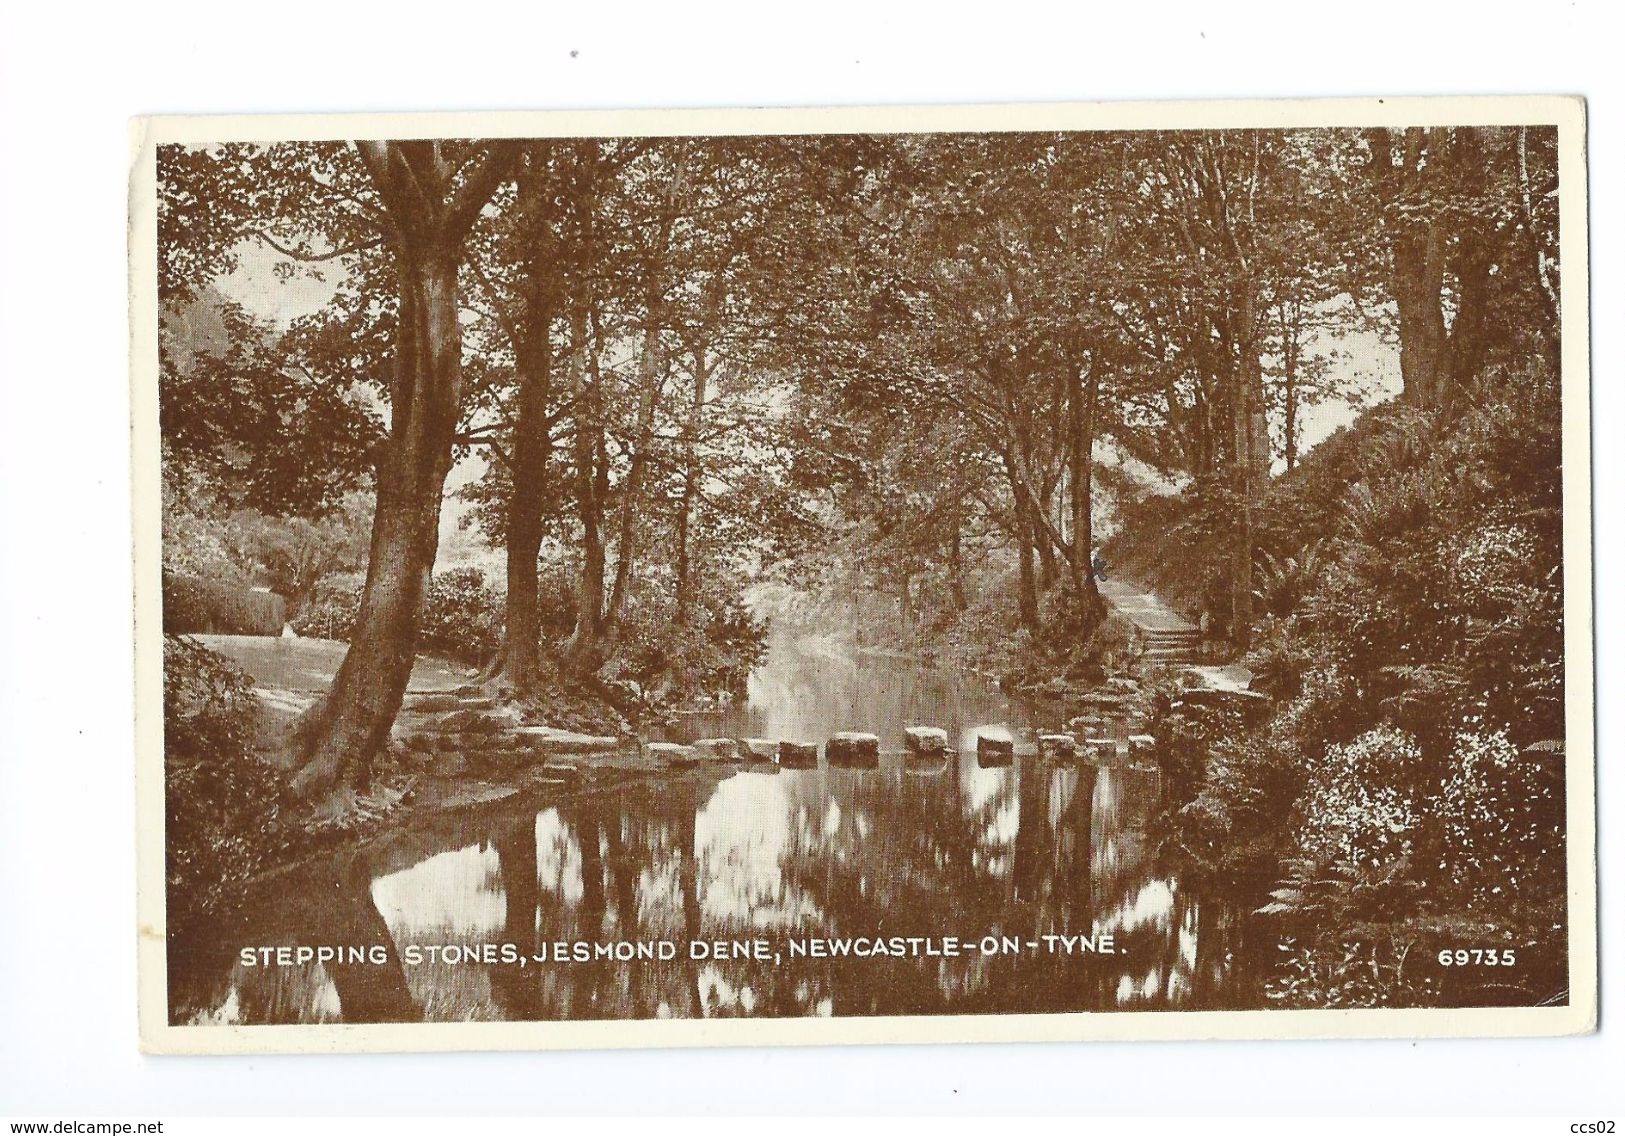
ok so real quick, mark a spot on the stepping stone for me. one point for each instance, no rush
(798, 755)
(1057, 747)
(1101, 750)
(471, 721)
(546, 739)
(759, 749)
(718, 749)
(925, 740)
(994, 751)
(671, 753)
(853, 751)
(430, 703)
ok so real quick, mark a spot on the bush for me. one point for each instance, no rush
(196, 605)
(331, 610)
(1409, 580)
(1501, 822)
(221, 802)
(712, 654)
(462, 617)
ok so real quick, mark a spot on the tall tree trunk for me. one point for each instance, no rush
(1083, 395)
(519, 661)
(1249, 470)
(691, 486)
(1433, 359)
(352, 723)
(956, 559)
(1289, 386)
(580, 653)
(341, 733)
(1028, 597)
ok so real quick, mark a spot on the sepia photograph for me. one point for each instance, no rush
(935, 574)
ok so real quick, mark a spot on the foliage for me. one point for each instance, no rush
(1413, 768)
(462, 614)
(196, 605)
(293, 554)
(677, 662)
(238, 406)
(462, 617)
(222, 802)
(330, 611)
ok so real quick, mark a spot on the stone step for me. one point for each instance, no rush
(546, 739)
(440, 702)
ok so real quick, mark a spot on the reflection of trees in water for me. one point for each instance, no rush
(907, 856)
(327, 904)
(638, 881)
(1031, 850)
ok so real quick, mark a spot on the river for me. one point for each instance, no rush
(1002, 856)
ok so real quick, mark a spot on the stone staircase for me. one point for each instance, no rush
(1170, 645)
(1166, 637)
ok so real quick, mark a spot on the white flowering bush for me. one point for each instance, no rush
(1500, 816)
(1491, 566)
(1355, 808)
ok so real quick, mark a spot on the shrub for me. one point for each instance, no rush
(461, 619)
(221, 801)
(197, 605)
(1501, 822)
(331, 610)
(462, 616)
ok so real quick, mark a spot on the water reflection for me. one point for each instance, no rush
(1020, 851)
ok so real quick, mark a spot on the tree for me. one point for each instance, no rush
(431, 194)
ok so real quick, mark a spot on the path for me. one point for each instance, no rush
(310, 664)
(1167, 636)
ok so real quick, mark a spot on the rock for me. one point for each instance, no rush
(766, 767)
(431, 703)
(1253, 705)
(1086, 724)
(759, 749)
(1100, 750)
(1123, 684)
(469, 690)
(853, 750)
(1140, 743)
(546, 739)
(717, 749)
(420, 743)
(470, 722)
(671, 753)
(925, 740)
(994, 750)
(1057, 747)
(798, 755)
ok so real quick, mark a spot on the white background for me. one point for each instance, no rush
(71, 76)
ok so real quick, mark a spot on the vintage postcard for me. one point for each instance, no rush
(889, 574)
